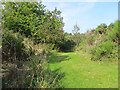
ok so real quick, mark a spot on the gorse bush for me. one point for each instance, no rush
(114, 33)
(104, 49)
(30, 32)
(27, 63)
(40, 76)
(102, 28)
(12, 47)
(30, 71)
(34, 74)
(108, 46)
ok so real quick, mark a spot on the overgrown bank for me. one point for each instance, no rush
(30, 35)
(30, 32)
(102, 42)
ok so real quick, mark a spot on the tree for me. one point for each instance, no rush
(76, 29)
(25, 26)
(20, 17)
(76, 34)
(32, 20)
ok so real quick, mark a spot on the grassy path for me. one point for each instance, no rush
(81, 72)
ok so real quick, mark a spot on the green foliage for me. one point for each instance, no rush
(20, 17)
(29, 33)
(101, 42)
(66, 45)
(102, 28)
(104, 49)
(33, 20)
(108, 46)
(114, 33)
(12, 47)
(40, 76)
(31, 71)
(90, 39)
(33, 74)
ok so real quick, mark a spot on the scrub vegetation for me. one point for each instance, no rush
(37, 53)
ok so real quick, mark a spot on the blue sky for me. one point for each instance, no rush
(86, 15)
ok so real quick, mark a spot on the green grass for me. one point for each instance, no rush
(81, 72)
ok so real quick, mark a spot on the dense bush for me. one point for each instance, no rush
(104, 49)
(34, 74)
(29, 33)
(102, 28)
(30, 71)
(12, 47)
(107, 47)
(114, 33)
(66, 45)
(40, 76)
(32, 20)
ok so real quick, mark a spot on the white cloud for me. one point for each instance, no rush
(77, 12)
(71, 13)
(72, 16)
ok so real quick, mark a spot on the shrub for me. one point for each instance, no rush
(114, 33)
(30, 71)
(103, 49)
(40, 76)
(66, 45)
(12, 47)
(34, 74)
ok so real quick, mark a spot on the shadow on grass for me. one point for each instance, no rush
(55, 78)
(55, 58)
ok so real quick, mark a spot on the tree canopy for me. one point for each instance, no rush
(31, 19)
